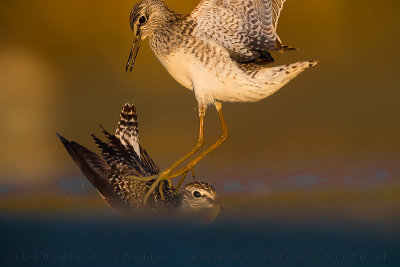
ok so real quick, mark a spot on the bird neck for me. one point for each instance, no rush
(165, 35)
(164, 17)
(184, 205)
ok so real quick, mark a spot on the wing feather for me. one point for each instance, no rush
(95, 169)
(277, 6)
(125, 154)
(246, 28)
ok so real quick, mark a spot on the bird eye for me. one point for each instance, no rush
(196, 194)
(142, 20)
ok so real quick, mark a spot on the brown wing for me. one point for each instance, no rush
(96, 170)
(246, 28)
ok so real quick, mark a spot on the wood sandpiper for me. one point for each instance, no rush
(220, 51)
(124, 156)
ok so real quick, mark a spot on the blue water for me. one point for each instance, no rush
(109, 240)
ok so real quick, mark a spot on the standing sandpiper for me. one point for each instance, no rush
(220, 51)
(124, 156)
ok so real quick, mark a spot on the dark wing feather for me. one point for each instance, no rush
(107, 151)
(124, 153)
(95, 169)
(148, 162)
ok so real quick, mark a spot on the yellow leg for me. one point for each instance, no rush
(165, 174)
(220, 140)
(180, 183)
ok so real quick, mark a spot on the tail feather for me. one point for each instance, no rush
(275, 78)
(124, 148)
(128, 129)
(285, 73)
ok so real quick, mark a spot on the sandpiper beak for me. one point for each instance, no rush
(210, 214)
(134, 51)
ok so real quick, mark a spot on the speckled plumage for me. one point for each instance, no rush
(127, 130)
(220, 50)
(244, 27)
(120, 159)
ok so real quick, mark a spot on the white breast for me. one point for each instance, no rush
(190, 72)
(178, 64)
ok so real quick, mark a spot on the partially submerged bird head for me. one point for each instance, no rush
(197, 196)
(145, 17)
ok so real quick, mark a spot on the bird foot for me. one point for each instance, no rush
(159, 178)
(165, 175)
(183, 171)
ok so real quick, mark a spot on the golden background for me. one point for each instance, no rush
(62, 69)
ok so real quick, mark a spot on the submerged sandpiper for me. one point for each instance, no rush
(124, 156)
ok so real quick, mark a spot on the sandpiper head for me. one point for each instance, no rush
(145, 17)
(197, 196)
